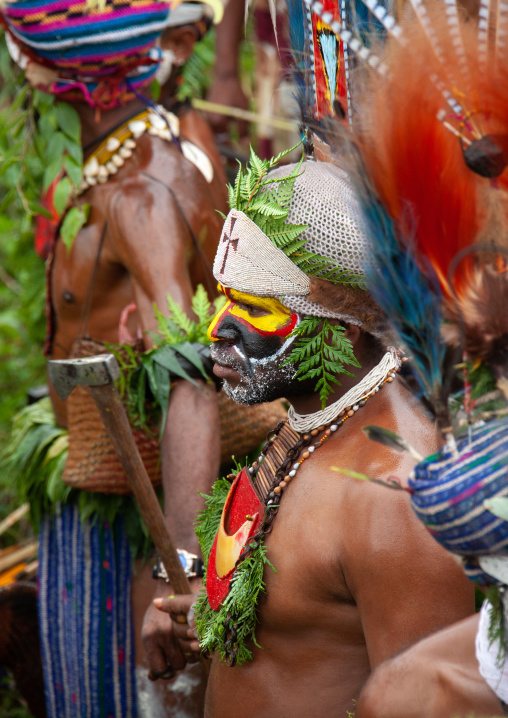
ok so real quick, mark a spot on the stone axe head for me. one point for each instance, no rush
(65, 374)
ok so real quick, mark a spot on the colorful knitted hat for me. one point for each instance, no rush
(97, 50)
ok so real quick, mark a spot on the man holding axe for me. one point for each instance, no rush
(152, 180)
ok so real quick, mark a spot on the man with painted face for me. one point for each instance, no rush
(314, 577)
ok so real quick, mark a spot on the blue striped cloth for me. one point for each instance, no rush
(85, 619)
(448, 492)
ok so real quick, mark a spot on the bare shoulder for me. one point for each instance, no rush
(366, 512)
(394, 408)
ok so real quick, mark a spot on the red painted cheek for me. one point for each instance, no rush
(216, 327)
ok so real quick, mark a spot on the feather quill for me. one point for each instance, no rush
(411, 299)
(433, 195)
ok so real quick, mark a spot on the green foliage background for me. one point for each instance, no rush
(21, 312)
(22, 325)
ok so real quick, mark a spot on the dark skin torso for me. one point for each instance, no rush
(147, 250)
(358, 577)
(147, 254)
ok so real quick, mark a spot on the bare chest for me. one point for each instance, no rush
(88, 288)
(307, 592)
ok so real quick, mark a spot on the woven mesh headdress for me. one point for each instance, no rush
(322, 221)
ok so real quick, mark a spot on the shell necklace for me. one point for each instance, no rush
(119, 146)
(353, 399)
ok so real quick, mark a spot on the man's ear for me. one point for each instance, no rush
(353, 333)
(181, 41)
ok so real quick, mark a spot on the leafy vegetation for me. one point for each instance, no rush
(39, 142)
(239, 608)
(146, 378)
(11, 703)
(320, 352)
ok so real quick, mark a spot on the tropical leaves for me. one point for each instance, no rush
(240, 605)
(320, 352)
(267, 202)
(34, 457)
(177, 353)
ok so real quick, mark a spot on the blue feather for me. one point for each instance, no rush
(299, 36)
(410, 298)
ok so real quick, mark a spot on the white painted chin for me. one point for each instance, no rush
(267, 383)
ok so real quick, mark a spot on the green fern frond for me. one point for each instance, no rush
(247, 583)
(321, 352)
(178, 316)
(275, 160)
(201, 305)
(267, 201)
(207, 521)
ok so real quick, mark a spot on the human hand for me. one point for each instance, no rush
(227, 90)
(162, 647)
(181, 610)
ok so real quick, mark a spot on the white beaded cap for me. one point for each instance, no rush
(247, 261)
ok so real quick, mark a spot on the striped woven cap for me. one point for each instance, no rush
(449, 491)
(107, 46)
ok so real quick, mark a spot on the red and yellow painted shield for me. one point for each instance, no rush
(240, 519)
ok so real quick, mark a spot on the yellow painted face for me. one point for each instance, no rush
(264, 316)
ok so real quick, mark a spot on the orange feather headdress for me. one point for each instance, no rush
(431, 147)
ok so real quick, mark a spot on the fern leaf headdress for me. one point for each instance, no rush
(294, 234)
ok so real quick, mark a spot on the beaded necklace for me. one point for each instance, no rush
(120, 144)
(271, 481)
(281, 457)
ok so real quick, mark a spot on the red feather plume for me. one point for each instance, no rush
(428, 133)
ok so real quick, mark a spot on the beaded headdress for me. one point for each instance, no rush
(97, 52)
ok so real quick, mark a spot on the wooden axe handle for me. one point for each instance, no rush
(117, 425)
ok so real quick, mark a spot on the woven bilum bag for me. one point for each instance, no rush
(449, 492)
(92, 464)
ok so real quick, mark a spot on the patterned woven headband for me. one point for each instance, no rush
(101, 53)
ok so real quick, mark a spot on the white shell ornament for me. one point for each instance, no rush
(137, 127)
(199, 159)
(156, 121)
(112, 144)
(91, 169)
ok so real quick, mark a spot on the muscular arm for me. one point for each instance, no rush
(226, 88)
(404, 584)
(436, 678)
(149, 237)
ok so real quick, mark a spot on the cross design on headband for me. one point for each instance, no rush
(231, 242)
